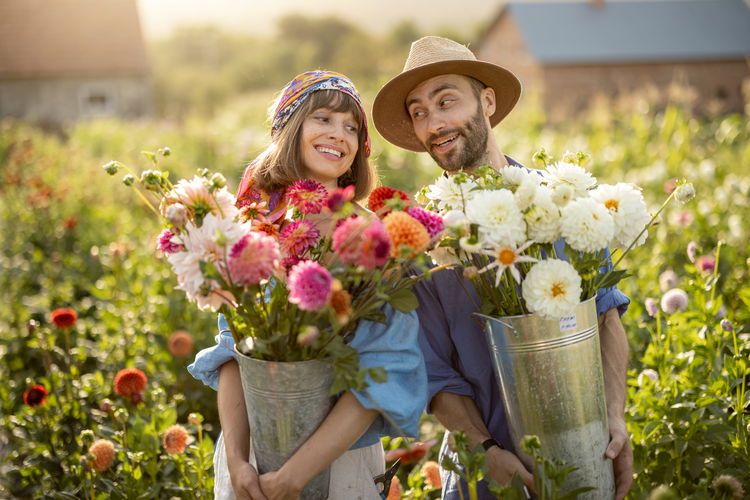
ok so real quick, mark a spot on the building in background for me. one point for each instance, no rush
(570, 52)
(66, 60)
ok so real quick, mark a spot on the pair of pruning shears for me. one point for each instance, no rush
(383, 481)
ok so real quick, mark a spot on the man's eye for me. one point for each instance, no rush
(445, 102)
(417, 113)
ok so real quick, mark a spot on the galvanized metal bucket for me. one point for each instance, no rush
(550, 374)
(286, 402)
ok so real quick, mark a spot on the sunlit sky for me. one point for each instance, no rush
(160, 17)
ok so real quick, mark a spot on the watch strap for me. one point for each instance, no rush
(489, 443)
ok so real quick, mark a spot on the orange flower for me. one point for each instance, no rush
(406, 230)
(64, 317)
(180, 344)
(175, 439)
(431, 473)
(414, 453)
(379, 196)
(104, 454)
(35, 395)
(394, 493)
(130, 381)
(341, 303)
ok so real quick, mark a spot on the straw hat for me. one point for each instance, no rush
(432, 56)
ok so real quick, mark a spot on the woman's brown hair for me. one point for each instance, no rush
(280, 164)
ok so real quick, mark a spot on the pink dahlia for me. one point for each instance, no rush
(362, 242)
(307, 196)
(706, 264)
(298, 236)
(339, 197)
(309, 285)
(253, 258)
(430, 220)
(166, 244)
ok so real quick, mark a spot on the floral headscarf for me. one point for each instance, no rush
(292, 97)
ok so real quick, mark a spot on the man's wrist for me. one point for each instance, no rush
(490, 443)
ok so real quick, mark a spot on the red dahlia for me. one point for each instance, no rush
(64, 317)
(35, 395)
(380, 195)
(130, 381)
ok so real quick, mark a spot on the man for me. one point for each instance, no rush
(446, 102)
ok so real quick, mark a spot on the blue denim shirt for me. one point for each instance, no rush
(393, 346)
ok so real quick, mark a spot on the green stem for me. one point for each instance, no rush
(653, 218)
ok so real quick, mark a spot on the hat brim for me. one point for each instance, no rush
(389, 112)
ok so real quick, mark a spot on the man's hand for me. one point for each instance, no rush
(277, 487)
(502, 465)
(621, 453)
(245, 482)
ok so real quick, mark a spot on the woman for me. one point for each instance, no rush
(319, 132)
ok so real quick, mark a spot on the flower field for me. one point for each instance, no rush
(95, 339)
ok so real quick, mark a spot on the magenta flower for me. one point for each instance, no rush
(166, 244)
(430, 220)
(307, 196)
(674, 300)
(705, 264)
(338, 198)
(362, 242)
(297, 237)
(308, 335)
(253, 258)
(309, 285)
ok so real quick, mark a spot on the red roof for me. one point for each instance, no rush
(43, 38)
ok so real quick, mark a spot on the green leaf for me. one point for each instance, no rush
(404, 300)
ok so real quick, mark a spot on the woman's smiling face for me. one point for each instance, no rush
(329, 143)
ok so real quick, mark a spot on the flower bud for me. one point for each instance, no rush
(128, 180)
(195, 419)
(651, 308)
(111, 167)
(87, 436)
(121, 415)
(165, 151)
(176, 214)
(218, 181)
(668, 280)
(541, 158)
(136, 398)
(308, 335)
(32, 325)
(685, 193)
(105, 405)
(692, 249)
(727, 325)
(152, 179)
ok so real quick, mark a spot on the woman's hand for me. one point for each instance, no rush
(245, 482)
(277, 487)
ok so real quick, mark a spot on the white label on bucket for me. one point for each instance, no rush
(568, 323)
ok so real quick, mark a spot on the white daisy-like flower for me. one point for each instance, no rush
(586, 225)
(515, 175)
(195, 195)
(450, 194)
(552, 288)
(498, 216)
(207, 243)
(526, 191)
(562, 194)
(625, 204)
(543, 217)
(506, 257)
(571, 174)
(456, 221)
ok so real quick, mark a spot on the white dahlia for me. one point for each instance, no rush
(625, 204)
(552, 288)
(526, 191)
(498, 216)
(570, 174)
(515, 175)
(449, 194)
(196, 195)
(208, 243)
(543, 217)
(586, 225)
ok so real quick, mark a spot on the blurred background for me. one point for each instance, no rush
(654, 90)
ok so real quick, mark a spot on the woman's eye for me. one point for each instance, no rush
(321, 118)
(352, 128)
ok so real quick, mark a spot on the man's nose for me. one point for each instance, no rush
(435, 123)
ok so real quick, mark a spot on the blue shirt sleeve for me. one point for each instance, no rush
(436, 342)
(611, 297)
(207, 362)
(400, 399)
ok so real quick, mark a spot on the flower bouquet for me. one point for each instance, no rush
(291, 296)
(536, 247)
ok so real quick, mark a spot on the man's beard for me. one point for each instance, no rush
(474, 151)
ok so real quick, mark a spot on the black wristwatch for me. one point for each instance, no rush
(489, 443)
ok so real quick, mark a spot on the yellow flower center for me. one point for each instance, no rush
(558, 289)
(506, 256)
(610, 204)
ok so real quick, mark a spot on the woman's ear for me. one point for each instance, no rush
(487, 100)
